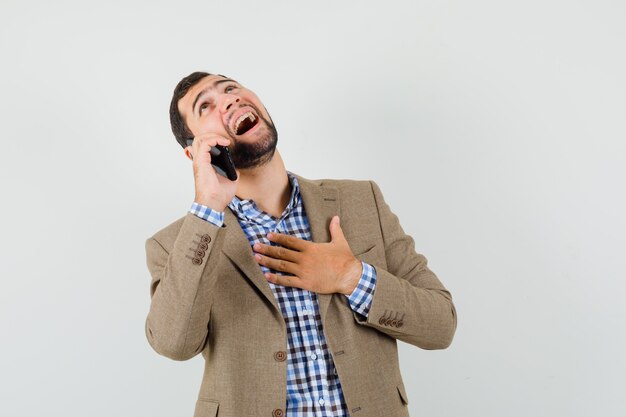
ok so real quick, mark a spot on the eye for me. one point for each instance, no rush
(229, 88)
(203, 106)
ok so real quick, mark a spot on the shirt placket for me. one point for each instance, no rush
(320, 398)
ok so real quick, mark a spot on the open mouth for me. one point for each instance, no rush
(245, 123)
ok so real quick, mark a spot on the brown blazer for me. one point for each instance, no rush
(209, 296)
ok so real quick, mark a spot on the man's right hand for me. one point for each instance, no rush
(212, 189)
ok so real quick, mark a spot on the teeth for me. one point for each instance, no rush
(242, 118)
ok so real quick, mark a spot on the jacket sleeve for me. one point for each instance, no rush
(409, 303)
(180, 290)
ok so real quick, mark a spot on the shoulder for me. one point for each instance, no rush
(357, 198)
(342, 185)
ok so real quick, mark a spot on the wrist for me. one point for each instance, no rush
(355, 270)
(210, 203)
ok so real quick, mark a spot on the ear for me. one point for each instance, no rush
(188, 153)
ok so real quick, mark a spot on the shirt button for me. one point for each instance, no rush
(314, 356)
(335, 371)
(321, 401)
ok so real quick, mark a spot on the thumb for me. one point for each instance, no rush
(335, 230)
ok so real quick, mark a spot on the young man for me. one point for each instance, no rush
(296, 313)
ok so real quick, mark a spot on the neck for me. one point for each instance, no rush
(267, 185)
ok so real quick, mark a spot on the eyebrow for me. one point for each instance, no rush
(206, 90)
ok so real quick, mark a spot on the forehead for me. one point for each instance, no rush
(186, 102)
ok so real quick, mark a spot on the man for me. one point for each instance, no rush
(295, 311)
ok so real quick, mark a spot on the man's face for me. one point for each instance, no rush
(221, 106)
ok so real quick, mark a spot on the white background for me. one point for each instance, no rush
(495, 130)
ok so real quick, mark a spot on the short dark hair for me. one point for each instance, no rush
(179, 127)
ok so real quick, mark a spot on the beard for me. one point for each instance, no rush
(247, 155)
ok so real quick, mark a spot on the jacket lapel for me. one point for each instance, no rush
(238, 249)
(320, 205)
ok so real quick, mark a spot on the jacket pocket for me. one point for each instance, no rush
(206, 408)
(402, 393)
(368, 254)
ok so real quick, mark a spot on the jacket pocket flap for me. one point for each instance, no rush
(206, 408)
(368, 254)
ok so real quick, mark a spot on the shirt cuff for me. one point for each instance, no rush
(208, 214)
(360, 299)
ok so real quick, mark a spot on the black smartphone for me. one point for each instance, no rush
(221, 161)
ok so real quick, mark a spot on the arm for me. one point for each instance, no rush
(409, 302)
(178, 320)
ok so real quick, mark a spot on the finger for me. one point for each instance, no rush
(276, 264)
(203, 144)
(223, 141)
(201, 147)
(289, 241)
(335, 230)
(212, 140)
(284, 280)
(278, 252)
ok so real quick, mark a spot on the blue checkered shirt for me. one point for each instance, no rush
(313, 387)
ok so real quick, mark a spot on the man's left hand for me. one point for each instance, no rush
(324, 268)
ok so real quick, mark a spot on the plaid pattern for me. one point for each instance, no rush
(313, 387)
(206, 213)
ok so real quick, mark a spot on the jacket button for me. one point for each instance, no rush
(206, 238)
(280, 356)
(394, 323)
(200, 253)
(277, 413)
(400, 323)
(203, 246)
(381, 320)
(388, 322)
(196, 261)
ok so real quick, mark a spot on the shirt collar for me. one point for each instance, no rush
(246, 209)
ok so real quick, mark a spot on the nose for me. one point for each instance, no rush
(226, 102)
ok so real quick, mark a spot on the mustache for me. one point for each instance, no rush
(269, 123)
